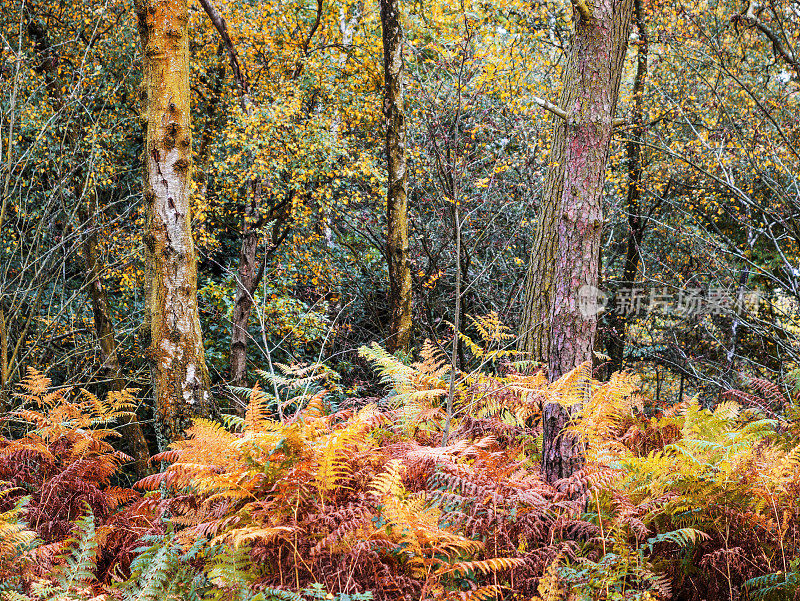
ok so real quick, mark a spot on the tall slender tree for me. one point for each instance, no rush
(397, 195)
(82, 195)
(180, 376)
(248, 274)
(637, 220)
(567, 244)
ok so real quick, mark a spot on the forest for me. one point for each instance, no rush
(377, 300)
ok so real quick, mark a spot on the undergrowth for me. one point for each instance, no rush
(364, 502)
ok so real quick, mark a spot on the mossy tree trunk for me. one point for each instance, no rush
(104, 330)
(180, 376)
(567, 242)
(397, 254)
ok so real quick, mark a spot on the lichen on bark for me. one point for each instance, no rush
(180, 376)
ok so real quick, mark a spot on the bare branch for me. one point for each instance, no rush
(750, 19)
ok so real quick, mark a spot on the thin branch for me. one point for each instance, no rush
(750, 19)
(561, 113)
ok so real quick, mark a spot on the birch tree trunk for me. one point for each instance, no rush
(397, 195)
(567, 243)
(180, 376)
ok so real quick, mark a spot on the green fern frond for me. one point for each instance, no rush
(682, 537)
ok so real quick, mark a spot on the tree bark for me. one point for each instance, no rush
(247, 275)
(246, 283)
(567, 243)
(399, 261)
(180, 376)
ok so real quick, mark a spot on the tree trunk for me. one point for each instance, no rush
(246, 284)
(567, 243)
(396, 198)
(618, 322)
(180, 376)
(104, 329)
(103, 324)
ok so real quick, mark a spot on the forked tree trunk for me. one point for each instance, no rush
(399, 261)
(180, 376)
(248, 273)
(567, 244)
(248, 278)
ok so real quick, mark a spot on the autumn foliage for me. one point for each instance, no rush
(684, 503)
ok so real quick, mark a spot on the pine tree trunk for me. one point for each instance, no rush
(396, 197)
(567, 244)
(180, 376)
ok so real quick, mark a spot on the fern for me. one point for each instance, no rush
(682, 537)
(64, 462)
(163, 569)
(776, 586)
(16, 540)
(75, 577)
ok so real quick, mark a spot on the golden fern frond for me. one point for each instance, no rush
(337, 448)
(491, 591)
(256, 415)
(389, 482)
(121, 403)
(484, 566)
(549, 587)
(249, 534)
(216, 445)
(573, 388)
(433, 361)
(30, 416)
(35, 384)
(491, 328)
(316, 405)
(727, 411)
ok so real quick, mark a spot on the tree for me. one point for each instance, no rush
(397, 254)
(566, 249)
(180, 376)
(248, 275)
(637, 222)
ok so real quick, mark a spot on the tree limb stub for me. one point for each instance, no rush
(561, 113)
(583, 9)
